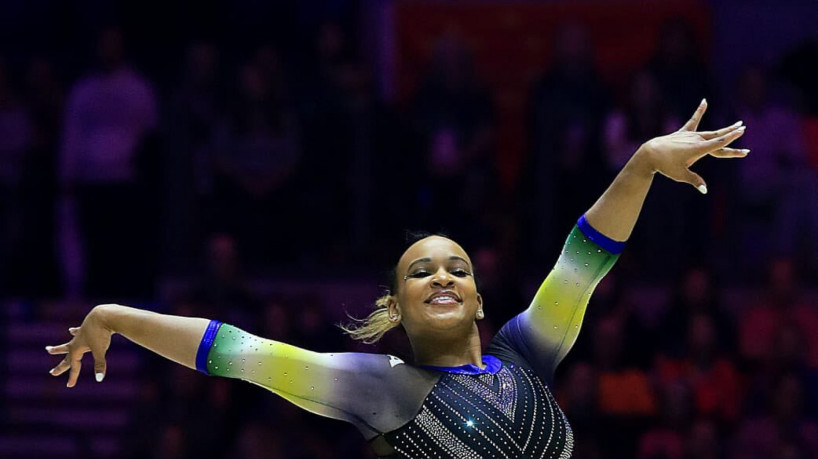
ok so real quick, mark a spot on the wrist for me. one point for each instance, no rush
(106, 315)
(642, 161)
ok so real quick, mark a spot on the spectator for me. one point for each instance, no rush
(277, 322)
(783, 428)
(780, 305)
(799, 67)
(626, 399)
(496, 275)
(666, 440)
(644, 117)
(171, 443)
(257, 440)
(352, 141)
(578, 395)
(108, 119)
(679, 68)
(703, 441)
(454, 116)
(623, 391)
(196, 111)
(256, 155)
(312, 329)
(143, 429)
(788, 355)
(771, 186)
(715, 383)
(36, 271)
(671, 234)
(695, 294)
(565, 118)
(222, 290)
(15, 144)
(336, 113)
(612, 301)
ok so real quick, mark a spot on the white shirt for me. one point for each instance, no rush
(105, 119)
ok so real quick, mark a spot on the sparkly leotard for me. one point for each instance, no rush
(505, 410)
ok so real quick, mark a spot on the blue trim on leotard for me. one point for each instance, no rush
(205, 344)
(600, 239)
(493, 365)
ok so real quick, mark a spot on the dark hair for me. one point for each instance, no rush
(410, 237)
(374, 326)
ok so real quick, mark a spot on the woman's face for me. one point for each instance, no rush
(436, 290)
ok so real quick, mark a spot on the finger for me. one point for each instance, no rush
(730, 153)
(696, 180)
(99, 365)
(73, 330)
(74, 374)
(722, 141)
(693, 123)
(61, 368)
(707, 135)
(61, 349)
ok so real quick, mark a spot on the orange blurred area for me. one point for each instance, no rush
(512, 44)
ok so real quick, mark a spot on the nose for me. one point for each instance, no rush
(442, 278)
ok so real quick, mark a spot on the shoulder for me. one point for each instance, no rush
(382, 365)
(131, 77)
(83, 86)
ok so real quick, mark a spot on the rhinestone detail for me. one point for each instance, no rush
(509, 414)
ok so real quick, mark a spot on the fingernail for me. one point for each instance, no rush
(704, 101)
(739, 123)
(51, 371)
(742, 128)
(100, 376)
(48, 348)
(702, 189)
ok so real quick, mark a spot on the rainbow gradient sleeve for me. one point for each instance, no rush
(350, 386)
(545, 332)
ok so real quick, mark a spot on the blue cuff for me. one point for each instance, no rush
(600, 239)
(205, 344)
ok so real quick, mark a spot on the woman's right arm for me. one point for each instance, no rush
(174, 337)
(373, 391)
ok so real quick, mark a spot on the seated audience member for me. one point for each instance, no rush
(781, 303)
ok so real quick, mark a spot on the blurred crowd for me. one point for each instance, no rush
(227, 167)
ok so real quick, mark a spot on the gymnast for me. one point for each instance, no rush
(452, 401)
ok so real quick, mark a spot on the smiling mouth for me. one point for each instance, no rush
(443, 299)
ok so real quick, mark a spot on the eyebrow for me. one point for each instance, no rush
(427, 259)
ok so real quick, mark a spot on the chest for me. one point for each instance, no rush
(509, 414)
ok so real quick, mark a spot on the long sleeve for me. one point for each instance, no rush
(544, 333)
(375, 392)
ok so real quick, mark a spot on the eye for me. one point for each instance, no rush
(460, 272)
(418, 274)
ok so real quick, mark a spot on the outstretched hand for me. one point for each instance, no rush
(673, 154)
(93, 335)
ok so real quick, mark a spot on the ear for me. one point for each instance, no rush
(392, 306)
(480, 313)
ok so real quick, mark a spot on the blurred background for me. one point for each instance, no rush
(259, 162)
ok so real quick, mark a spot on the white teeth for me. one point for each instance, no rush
(443, 299)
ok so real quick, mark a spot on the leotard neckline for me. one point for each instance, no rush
(493, 365)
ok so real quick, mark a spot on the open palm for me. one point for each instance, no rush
(673, 154)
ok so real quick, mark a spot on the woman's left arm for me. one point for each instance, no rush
(615, 213)
(546, 331)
